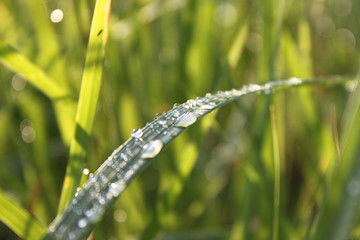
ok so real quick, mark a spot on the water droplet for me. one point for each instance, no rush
(123, 156)
(116, 188)
(208, 95)
(162, 122)
(294, 80)
(56, 16)
(101, 199)
(151, 149)
(176, 105)
(186, 120)
(86, 171)
(94, 214)
(191, 103)
(92, 178)
(254, 87)
(175, 113)
(82, 223)
(137, 133)
(208, 105)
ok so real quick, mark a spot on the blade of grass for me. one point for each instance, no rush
(19, 220)
(89, 93)
(20, 64)
(114, 175)
(339, 214)
(237, 46)
(276, 153)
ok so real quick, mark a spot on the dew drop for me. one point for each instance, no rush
(152, 149)
(94, 214)
(208, 105)
(175, 113)
(254, 87)
(162, 122)
(186, 120)
(137, 133)
(176, 105)
(116, 188)
(191, 103)
(123, 156)
(82, 223)
(294, 80)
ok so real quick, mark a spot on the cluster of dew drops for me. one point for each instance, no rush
(107, 183)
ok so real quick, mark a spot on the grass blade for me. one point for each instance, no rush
(18, 63)
(109, 181)
(341, 207)
(89, 94)
(276, 150)
(19, 220)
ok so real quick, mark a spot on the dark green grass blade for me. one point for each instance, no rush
(109, 181)
(19, 220)
(88, 100)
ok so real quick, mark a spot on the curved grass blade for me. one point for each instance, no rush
(113, 176)
(19, 220)
(89, 94)
(20, 64)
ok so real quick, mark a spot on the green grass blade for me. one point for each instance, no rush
(276, 152)
(109, 181)
(342, 201)
(237, 46)
(89, 94)
(18, 63)
(19, 220)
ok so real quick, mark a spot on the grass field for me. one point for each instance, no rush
(270, 166)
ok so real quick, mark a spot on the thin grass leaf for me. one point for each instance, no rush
(89, 94)
(20, 64)
(19, 220)
(237, 46)
(114, 175)
(276, 152)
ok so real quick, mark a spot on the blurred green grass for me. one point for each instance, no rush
(217, 178)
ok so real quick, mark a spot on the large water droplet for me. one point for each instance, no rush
(152, 149)
(116, 188)
(186, 120)
(137, 133)
(82, 223)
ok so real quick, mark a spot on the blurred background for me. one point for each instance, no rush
(215, 181)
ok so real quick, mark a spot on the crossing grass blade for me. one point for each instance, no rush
(19, 220)
(36, 76)
(88, 100)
